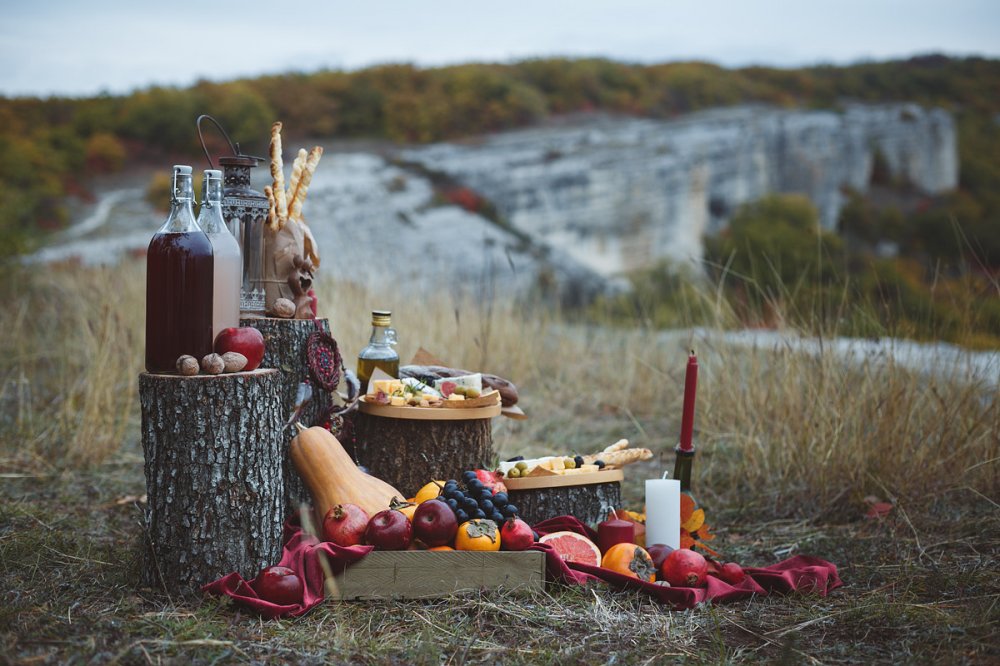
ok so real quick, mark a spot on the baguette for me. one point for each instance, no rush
(278, 175)
(617, 446)
(619, 458)
(303, 185)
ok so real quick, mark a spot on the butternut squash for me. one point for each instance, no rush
(332, 477)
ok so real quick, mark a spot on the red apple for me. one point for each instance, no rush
(345, 525)
(246, 340)
(516, 535)
(389, 530)
(434, 523)
(279, 585)
(659, 552)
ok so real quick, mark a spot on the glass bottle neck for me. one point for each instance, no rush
(181, 218)
(383, 336)
(210, 217)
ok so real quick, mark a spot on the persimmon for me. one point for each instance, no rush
(478, 534)
(630, 560)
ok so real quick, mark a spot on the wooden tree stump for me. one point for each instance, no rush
(285, 350)
(590, 503)
(407, 453)
(213, 455)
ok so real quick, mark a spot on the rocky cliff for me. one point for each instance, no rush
(619, 194)
(587, 201)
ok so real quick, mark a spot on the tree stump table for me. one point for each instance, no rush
(410, 446)
(285, 350)
(213, 460)
(541, 498)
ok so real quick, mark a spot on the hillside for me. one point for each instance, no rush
(917, 236)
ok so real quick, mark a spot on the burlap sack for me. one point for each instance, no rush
(280, 248)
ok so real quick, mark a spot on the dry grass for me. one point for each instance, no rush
(776, 426)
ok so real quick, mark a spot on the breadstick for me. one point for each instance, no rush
(619, 458)
(278, 175)
(307, 173)
(617, 446)
(308, 243)
(272, 221)
(293, 180)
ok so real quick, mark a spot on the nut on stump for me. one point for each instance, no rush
(283, 308)
(213, 364)
(187, 365)
(234, 361)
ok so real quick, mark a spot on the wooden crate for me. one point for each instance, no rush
(411, 574)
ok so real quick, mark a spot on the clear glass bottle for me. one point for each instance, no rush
(179, 278)
(228, 271)
(379, 353)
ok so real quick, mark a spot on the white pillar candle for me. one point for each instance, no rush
(663, 512)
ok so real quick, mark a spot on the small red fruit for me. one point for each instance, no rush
(434, 523)
(389, 530)
(279, 585)
(659, 552)
(246, 340)
(345, 525)
(516, 535)
(684, 568)
(447, 388)
(732, 573)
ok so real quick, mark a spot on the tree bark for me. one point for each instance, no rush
(285, 350)
(591, 503)
(213, 455)
(408, 453)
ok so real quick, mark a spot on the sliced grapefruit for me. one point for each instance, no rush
(574, 547)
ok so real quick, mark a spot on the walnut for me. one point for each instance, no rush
(213, 364)
(187, 365)
(234, 361)
(283, 308)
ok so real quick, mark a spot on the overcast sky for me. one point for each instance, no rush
(82, 47)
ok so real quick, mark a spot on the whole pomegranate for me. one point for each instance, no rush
(516, 535)
(345, 525)
(684, 568)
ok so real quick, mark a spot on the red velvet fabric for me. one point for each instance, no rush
(302, 552)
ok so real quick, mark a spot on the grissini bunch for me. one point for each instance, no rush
(285, 203)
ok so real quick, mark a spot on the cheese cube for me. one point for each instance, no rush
(397, 401)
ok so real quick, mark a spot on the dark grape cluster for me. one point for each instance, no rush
(477, 500)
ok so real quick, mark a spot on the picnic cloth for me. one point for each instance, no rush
(302, 554)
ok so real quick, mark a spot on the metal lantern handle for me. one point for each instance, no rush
(233, 147)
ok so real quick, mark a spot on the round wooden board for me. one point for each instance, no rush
(560, 480)
(429, 413)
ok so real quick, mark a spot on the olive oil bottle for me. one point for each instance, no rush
(379, 353)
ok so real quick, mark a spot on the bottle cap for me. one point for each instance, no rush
(381, 317)
(213, 174)
(182, 170)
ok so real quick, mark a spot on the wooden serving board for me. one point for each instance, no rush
(431, 413)
(412, 574)
(562, 480)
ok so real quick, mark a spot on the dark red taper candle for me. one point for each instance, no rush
(690, 388)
